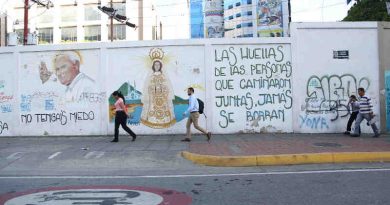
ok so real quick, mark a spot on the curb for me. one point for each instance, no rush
(286, 159)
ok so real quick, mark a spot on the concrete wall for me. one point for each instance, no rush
(248, 85)
(323, 83)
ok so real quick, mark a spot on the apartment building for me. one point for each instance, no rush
(70, 21)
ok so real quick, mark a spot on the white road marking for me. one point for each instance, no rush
(54, 155)
(94, 154)
(15, 156)
(198, 175)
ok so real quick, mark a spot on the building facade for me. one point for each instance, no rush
(196, 19)
(70, 21)
(3, 29)
(240, 18)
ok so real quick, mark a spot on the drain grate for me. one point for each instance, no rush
(327, 144)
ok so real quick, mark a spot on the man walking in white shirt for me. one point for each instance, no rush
(193, 110)
(365, 112)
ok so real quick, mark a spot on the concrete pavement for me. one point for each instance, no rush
(288, 149)
(64, 155)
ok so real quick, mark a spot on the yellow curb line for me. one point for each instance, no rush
(287, 159)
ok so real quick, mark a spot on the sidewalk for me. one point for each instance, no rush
(62, 153)
(287, 149)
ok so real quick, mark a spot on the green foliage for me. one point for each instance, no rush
(368, 10)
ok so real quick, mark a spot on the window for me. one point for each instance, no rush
(248, 35)
(249, 13)
(231, 17)
(238, 4)
(119, 32)
(238, 15)
(68, 13)
(45, 35)
(230, 6)
(69, 34)
(247, 24)
(92, 33)
(45, 15)
(91, 12)
(249, 1)
(238, 26)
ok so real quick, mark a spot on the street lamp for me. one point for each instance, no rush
(111, 12)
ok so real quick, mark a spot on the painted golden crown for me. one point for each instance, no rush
(156, 54)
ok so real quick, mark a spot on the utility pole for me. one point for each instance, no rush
(112, 24)
(161, 29)
(25, 31)
(289, 11)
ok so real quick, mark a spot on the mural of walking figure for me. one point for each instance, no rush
(157, 97)
(365, 112)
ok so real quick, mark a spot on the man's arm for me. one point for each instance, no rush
(190, 105)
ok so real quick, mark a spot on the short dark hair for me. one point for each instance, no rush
(361, 89)
(353, 96)
(191, 89)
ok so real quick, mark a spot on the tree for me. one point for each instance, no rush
(368, 10)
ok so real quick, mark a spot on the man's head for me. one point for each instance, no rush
(67, 66)
(361, 92)
(190, 91)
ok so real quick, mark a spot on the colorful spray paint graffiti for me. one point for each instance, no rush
(7, 95)
(330, 94)
(327, 99)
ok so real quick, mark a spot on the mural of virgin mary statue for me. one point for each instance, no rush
(157, 97)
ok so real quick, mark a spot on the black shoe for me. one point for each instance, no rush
(134, 137)
(186, 140)
(208, 136)
(114, 140)
(355, 135)
(376, 136)
(347, 133)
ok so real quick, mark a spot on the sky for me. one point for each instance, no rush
(318, 10)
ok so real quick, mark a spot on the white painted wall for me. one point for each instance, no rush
(252, 87)
(8, 91)
(216, 68)
(322, 84)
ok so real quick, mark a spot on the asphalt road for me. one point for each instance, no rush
(92, 172)
(355, 187)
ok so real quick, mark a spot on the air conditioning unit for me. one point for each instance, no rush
(12, 39)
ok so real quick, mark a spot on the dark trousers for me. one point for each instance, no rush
(121, 119)
(351, 119)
